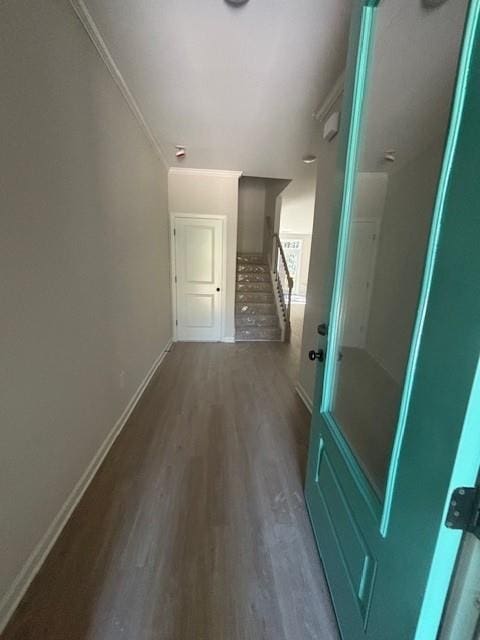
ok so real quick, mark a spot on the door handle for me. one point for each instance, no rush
(218, 288)
(322, 329)
(316, 355)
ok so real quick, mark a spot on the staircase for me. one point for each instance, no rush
(255, 311)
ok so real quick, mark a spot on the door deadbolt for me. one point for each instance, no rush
(322, 329)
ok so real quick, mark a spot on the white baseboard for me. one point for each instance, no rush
(304, 396)
(15, 593)
(228, 339)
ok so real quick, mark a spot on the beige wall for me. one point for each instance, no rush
(296, 218)
(300, 286)
(84, 261)
(305, 263)
(257, 199)
(322, 257)
(400, 260)
(211, 193)
(298, 203)
(272, 208)
(251, 215)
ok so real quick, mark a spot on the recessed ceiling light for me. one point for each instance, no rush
(309, 158)
(236, 3)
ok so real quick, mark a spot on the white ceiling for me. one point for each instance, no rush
(237, 86)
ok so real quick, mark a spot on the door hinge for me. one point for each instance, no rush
(176, 322)
(464, 510)
(174, 232)
(175, 278)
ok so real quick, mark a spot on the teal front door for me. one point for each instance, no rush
(396, 419)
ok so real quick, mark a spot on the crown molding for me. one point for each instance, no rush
(95, 36)
(219, 173)
(335, 92)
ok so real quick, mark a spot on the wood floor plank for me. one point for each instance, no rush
(195, 527)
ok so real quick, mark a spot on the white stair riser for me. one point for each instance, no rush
(254, 308)
(257, 321)
(258, 333)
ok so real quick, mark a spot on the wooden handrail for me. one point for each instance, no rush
(286, 303)
(276, 250)
(284, 260)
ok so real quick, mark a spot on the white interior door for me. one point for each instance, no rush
(198, 270)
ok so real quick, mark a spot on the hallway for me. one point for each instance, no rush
(195, 527)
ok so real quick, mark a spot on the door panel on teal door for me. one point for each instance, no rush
(352, 547)
(383, 447)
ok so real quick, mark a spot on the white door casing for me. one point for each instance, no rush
(198, 270)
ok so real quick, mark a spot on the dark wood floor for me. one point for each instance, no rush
(195, 526)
